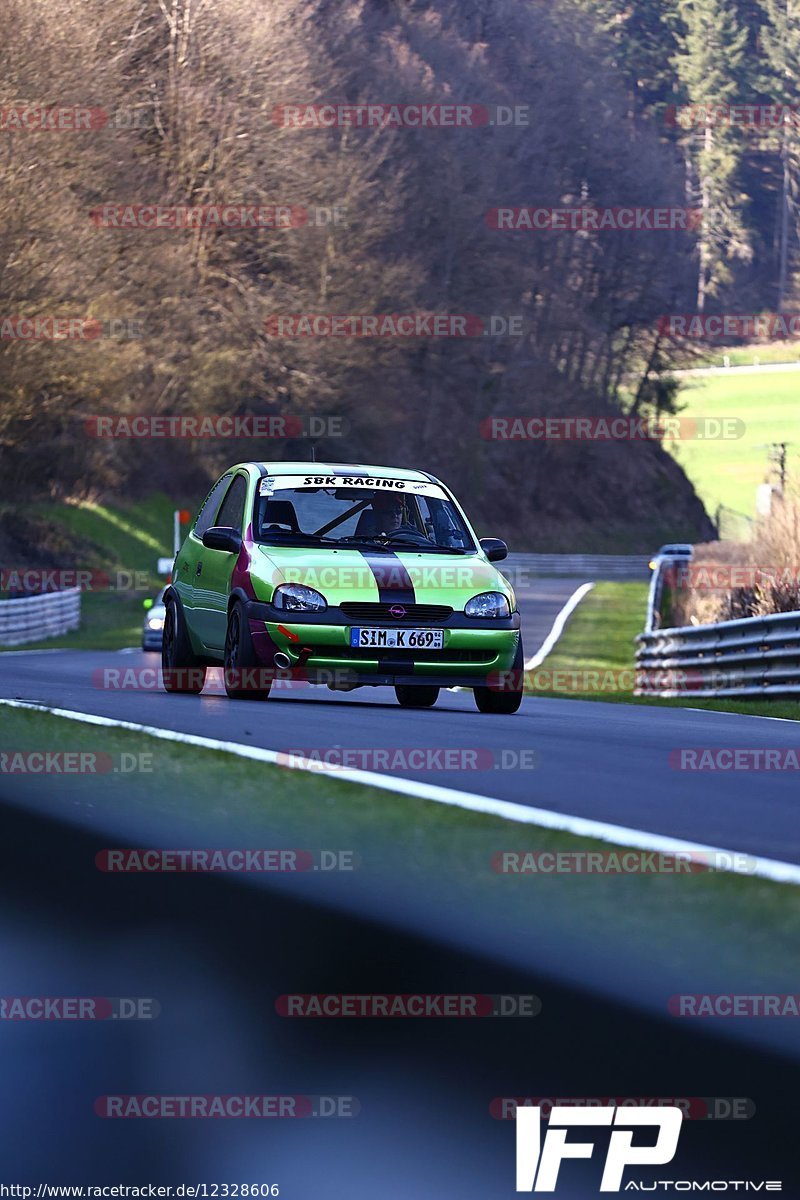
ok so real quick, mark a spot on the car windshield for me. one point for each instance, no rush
(362, 517)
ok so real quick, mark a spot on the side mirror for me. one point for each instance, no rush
(494, 548)
(221, 537)
(148, 603)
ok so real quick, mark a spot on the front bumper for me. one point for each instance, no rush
(319, 649)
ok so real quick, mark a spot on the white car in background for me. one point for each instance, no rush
(672, 550)
(153, 629)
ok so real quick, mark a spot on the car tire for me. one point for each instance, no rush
(181, 671)
(506, 702)
(240, 659)
(416, 696)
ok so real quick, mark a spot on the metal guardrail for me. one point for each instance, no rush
(518, 567)
(754, 656)
(33, 618)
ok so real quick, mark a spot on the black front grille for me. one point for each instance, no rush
(374, 654)
(381, 612)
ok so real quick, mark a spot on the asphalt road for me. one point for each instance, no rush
(607, 762)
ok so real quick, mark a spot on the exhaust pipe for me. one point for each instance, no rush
(282, 661)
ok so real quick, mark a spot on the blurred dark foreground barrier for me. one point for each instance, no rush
(215, 954)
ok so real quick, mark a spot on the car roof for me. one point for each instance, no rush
(336, 468)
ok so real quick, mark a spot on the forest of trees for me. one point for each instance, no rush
(190, 87)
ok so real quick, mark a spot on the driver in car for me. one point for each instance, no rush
(386, 514)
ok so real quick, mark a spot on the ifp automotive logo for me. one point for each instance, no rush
(538, 1165)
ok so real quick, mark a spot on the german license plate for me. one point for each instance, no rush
(397, 639)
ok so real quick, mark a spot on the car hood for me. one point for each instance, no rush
(347, 574)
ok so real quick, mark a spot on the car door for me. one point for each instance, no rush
(212, 581)
(190, 555)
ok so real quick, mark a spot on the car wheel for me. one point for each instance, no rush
(507, 701)
(245, 678)
(409, 696)
(181, 671)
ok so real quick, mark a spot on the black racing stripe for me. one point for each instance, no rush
(394, 582)
(394, 587)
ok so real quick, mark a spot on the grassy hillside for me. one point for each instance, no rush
(130, 537)
(123, 542)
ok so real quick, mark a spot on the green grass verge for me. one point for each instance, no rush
(728, 472)
(599, 638)
(423, 856)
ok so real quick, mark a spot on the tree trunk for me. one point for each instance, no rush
(783, 258)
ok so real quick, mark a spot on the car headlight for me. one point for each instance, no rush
(155, 622)
(294, 597)
(488, 604)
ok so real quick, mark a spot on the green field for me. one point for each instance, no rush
(728, 472)
(785, 351)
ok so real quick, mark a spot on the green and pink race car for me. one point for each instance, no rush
(343, 575)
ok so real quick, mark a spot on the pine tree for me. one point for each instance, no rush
(711, 69)
(780, 40)
(642, 35)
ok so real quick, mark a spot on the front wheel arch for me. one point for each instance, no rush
(238, 593)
